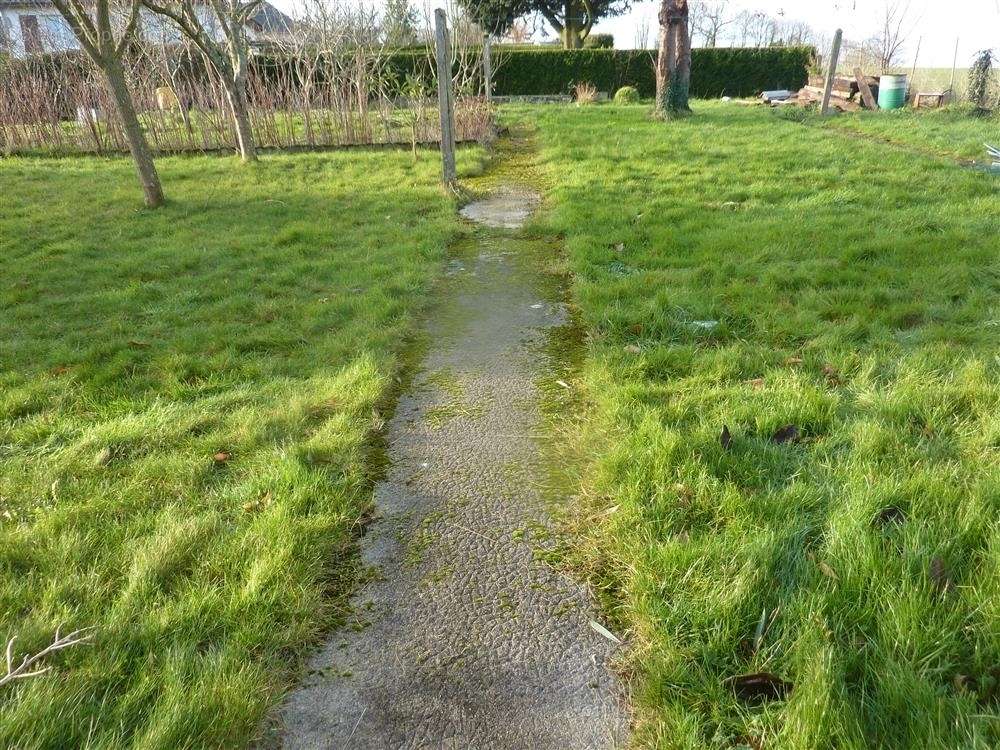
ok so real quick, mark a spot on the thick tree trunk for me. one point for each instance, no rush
(673, 65)
(137, 145)
(577, 23)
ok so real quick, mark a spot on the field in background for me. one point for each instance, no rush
(794, 447)
(187, 403)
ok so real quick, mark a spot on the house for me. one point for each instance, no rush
(32, 27)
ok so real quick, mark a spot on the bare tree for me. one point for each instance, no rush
(642, 32)
(708, 18)
(92, 22)
(895, 29)
(673, 63)
(756, 29)
(228, 55)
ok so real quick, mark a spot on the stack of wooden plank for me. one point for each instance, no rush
(844, 96)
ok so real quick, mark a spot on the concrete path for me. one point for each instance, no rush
(467, 641)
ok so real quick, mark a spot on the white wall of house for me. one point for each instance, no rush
(54, 34)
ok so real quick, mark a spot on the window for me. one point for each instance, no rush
(56, 34)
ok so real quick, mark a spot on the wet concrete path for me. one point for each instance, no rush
(468, 640)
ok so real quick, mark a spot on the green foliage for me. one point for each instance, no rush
(399, 23)
(599, 41)
(497, 16)
(776, 278)
(259, 316)
(627, 95)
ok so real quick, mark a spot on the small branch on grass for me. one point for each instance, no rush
(59, 642)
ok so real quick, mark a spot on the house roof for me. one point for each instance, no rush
(270, 19)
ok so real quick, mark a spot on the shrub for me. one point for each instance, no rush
(586, 93)
(981, 79)
(599, 41)
(627, 95)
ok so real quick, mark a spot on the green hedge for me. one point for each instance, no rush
(714, 72)
(521, 71)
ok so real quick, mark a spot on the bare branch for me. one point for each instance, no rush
(24, 669)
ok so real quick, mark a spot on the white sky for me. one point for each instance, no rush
(975, 23)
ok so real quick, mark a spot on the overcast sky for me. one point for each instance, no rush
(975, 23)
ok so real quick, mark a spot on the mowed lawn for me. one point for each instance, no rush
(188, 404)
(951, 132)
(834, 305)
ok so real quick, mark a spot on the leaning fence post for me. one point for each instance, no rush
(487, 68)
(445, 98)
(831, 71)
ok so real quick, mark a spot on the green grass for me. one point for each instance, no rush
(854, 289)
(950, 132)
(262, 315)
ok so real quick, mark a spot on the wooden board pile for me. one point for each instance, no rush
(845, 96)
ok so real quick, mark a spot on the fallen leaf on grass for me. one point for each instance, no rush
(787, 434)
(259, 504)
(759, 686)
(827, 570)
(726, 439)
(604, 631)
(633, 349)
(756, 383)
(221, 457)
(138, 344)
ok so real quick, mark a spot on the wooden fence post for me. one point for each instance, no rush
(487, 68)
(831, 71)
(445, 98)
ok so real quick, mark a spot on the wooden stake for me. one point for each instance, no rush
(865, 89)
(831, 71)
(487, 68)
(913, 70)
(445, 99)
(954, 63)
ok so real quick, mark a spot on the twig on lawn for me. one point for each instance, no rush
(24, 669)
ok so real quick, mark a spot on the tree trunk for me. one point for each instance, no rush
(673, 65)
(141, 155)
(236, 93)
(571, 26)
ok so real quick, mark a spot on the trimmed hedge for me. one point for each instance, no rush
(519, 71)
(741, 71)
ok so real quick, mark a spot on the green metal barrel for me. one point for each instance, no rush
(891, 92)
